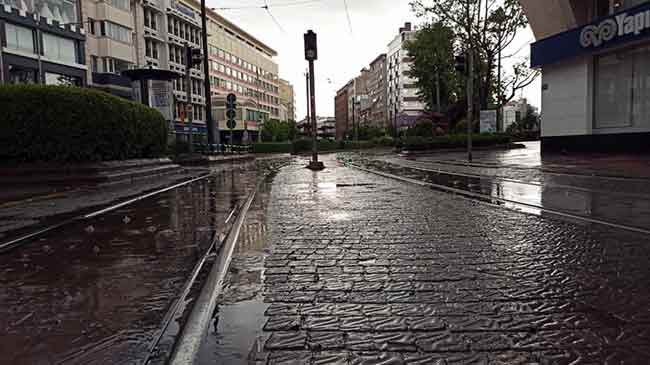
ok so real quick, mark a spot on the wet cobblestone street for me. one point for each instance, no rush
(367, 270)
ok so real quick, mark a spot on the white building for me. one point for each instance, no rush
(514, 111)
(595, 59)
(404, 105)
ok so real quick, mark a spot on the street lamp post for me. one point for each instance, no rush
(311, 54)
(213, 129)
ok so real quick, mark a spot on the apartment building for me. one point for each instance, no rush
(378, 92)
(404, 105)
(359, 105)
(287, 100)
(42, 42)
(595, 62)
(243, 65)
(341, 111)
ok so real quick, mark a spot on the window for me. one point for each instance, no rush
(116, 31)
(60, 79)
(21, 75)
(60, 49)
(94, 63)
(622, 89)
(19, 38)
(120, 4)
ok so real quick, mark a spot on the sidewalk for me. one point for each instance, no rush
(367, 270)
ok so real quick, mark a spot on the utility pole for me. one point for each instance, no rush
(188, 84)
(311, 54)
(470, 84)
(213, 129)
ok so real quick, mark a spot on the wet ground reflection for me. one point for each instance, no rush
(241, 307)
(96, 292)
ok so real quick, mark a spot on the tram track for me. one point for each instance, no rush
(29, 237)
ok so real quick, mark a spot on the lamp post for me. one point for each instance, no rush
(213, 129)
(311, 54)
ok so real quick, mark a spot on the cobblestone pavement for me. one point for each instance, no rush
(367, 270)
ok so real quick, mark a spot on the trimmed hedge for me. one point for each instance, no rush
(452, 141)
(272, 148)
(71, 124)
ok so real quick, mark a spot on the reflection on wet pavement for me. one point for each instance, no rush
(624, 201)
(241, 307)
(96, 292)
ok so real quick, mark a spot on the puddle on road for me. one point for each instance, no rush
(241, 306)
(96, 292)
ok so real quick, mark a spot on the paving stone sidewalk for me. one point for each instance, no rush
(367, 270)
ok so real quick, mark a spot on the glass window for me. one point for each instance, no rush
(21, 75)
(60, 79)
(117, 32)
(60, 49)
(622, 89)
(19, 38)
(120, 4)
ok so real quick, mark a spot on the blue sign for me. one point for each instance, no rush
(627, 26)
(181, 128)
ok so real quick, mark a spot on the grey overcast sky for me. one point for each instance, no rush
(342, 51)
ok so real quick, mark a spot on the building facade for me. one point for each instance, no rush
(404, 105)
(378, 92)
(42, 42)
(595, 62)
(287, 100)
(242, 65)
(358, 100)
(341, 111)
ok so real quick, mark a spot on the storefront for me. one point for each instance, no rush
(596, 83)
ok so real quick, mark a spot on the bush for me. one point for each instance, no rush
(70, 124)
(272, 148)
(452, 141)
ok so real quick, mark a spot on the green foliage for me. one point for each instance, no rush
(272, 147)
(70, 124)
(325, 145)
(423, 128)
(384, 141)
(452, 141)
(278, 131)
(432, 51)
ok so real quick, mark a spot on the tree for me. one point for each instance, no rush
(493, 29)
(275, 131)
(432, 51)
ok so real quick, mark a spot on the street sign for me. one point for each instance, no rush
(488, 121)
(231, 124)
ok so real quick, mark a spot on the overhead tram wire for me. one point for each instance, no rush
(268, 6)
(347, 14)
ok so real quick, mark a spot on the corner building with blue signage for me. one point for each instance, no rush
(595, 62)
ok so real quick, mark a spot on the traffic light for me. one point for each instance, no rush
(231, 111)
(461, 64)
(194, 56)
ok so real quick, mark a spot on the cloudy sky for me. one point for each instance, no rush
(344, 48)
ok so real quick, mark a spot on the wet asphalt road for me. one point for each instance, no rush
(362, 269)
(96, 292)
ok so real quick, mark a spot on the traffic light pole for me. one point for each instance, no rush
(470, 86)
(188, 85)
(314, 131)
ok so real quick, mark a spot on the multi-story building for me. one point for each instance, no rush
(42, 42)
(595, 62)
(147, 33)
(359, 105)
(287, 100)
(405, 107)
(341, 111)
(243, 65)
(377, 92)
(326, 127)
